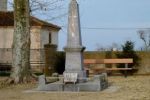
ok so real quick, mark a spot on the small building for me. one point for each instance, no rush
(41, 33)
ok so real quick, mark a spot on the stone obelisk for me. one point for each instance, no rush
(74, 70)
(74, 49)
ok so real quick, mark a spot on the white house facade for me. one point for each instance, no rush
(41, 33)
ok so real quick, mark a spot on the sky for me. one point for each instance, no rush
(105, 22)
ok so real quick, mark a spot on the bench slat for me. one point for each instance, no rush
(111, 69)
(107, 61)
(116, 69)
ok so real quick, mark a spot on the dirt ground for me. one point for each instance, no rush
(130, 88)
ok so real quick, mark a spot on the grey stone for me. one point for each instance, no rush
(42, 82)
(55, 75)
(74, 62)
(74, 48)
(96, 84)
(102, 79)
(56, 86)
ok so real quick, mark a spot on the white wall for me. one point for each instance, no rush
(6, 37)
(39, 37)
(45, 37)
(35, 38)
(54, 37)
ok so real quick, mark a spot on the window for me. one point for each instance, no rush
(50, 38)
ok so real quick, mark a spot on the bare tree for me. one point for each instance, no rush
(21, 42)
(100, 47)
(44, 4)
(145, 36)
(21, 39)
(48, 10)
(44, 8)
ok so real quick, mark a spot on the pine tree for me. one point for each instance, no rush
(128, 52)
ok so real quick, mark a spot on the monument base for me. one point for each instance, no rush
(97, 83)
(81, 75)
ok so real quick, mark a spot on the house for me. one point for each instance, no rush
(41, 33)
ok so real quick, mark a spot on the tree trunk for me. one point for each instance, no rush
(21, 42)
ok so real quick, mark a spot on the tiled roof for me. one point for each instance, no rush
(7, 19)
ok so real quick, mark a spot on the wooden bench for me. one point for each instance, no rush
(125, 61)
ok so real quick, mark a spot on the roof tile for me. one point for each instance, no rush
(7, 19)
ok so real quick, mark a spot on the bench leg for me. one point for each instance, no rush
(125, 72)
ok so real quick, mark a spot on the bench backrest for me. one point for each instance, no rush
(108, 61)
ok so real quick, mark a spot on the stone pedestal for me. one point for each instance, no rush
(74, 62)
(97, 83)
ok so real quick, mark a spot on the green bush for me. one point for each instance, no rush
(128, 52)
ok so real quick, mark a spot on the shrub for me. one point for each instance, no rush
(128, 52)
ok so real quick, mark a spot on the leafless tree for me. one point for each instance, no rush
(21, 39)
(44, 8)
(21, 42)
(44, 4)
(100, 47)
(145, 37)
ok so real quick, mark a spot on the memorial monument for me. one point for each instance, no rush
(74, 49)
(75, 78)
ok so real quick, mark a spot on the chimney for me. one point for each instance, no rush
(3, 5)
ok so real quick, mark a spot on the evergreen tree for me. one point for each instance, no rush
(128, 52)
